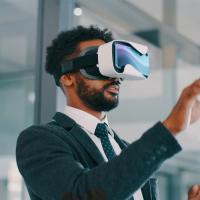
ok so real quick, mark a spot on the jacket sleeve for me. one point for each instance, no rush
(51, 171)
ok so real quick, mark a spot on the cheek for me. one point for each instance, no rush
(97, 84)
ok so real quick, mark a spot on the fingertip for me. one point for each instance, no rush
(193, 190)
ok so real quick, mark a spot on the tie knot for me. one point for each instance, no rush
(101, 130)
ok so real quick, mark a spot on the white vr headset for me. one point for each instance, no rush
(115, 59)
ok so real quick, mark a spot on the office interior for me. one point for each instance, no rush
(29, 96)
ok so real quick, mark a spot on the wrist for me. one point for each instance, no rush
(173, 130)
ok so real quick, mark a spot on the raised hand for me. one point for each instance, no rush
(187, 109)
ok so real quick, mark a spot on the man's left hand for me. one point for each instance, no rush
(194, 193)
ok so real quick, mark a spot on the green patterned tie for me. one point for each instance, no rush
(102, 133)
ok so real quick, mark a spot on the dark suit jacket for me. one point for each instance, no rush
(60, 161)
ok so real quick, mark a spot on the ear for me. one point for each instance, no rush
(67, 80)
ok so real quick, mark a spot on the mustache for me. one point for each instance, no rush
(117, 82)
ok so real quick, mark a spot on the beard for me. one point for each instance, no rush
(95, 98)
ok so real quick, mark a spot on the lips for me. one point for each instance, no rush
(113, 89)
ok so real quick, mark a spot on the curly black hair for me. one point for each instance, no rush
(66, 42)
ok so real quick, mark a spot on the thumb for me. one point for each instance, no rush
(193, 191)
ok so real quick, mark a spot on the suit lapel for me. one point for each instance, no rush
(120, 142)
(79, 135)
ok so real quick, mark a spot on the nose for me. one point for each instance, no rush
(118, 80)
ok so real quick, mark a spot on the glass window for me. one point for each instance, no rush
(188, 18)
(18, 21)
(154, 8)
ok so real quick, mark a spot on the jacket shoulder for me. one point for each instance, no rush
(43, 134)
(49, 128)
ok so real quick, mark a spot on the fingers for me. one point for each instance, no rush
(196, 85)
(194, 193)
(186, 111)
(192, 90)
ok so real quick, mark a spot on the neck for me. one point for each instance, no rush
(100, 115)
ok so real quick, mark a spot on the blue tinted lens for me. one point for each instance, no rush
(126, 54)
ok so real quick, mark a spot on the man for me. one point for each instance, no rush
(69, 159)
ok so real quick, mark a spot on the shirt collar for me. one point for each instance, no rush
(84, 119)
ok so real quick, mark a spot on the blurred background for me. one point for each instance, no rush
(170, 28)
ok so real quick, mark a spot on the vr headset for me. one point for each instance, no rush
(116, 59)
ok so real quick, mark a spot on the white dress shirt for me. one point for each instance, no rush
(89, 122)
